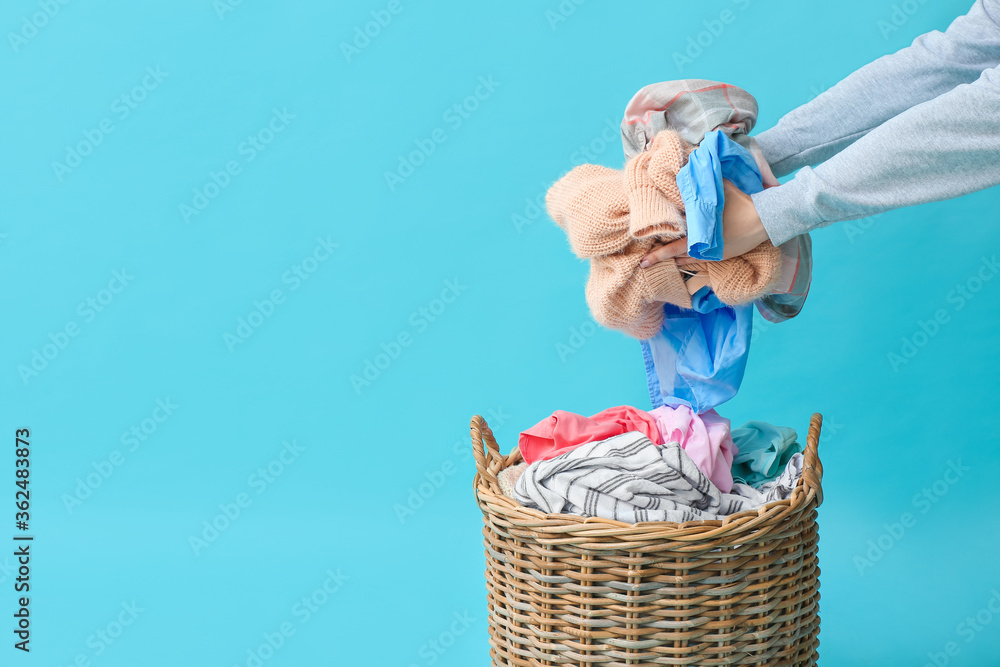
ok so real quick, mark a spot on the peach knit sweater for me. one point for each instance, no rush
(614, 218)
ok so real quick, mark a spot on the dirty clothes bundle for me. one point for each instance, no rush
(681, 460)
(666, 465)
(694, 323)
(615, 218)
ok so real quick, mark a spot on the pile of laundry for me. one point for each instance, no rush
(669, 464)
(683, 140)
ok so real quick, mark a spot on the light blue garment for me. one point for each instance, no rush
(699, 355)
(764, 451)
(700, 184)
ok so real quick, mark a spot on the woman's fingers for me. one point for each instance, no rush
(742, 231)
(676, 249)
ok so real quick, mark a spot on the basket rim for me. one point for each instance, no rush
(569, 528)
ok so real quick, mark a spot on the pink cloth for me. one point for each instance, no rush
(704, 437)
(564, 431)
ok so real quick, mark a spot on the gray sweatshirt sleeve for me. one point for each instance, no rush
(918, 125)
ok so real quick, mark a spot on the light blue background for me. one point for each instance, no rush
(891, 432)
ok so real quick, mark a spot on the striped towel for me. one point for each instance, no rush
(628, 478)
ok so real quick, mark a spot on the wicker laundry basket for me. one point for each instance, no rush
(590, 592)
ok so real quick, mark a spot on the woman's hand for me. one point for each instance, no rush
(742, 230)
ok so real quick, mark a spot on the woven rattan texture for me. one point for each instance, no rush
(590, 592)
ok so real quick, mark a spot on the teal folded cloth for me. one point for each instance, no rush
(764, 451)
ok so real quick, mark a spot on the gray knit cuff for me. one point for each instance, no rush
(788, 209)
(774, 152)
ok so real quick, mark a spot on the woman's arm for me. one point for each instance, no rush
(942, 148)
(932, 65)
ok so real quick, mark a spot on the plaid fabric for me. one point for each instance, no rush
(690, 106)
(787, 298)
(628, 478)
